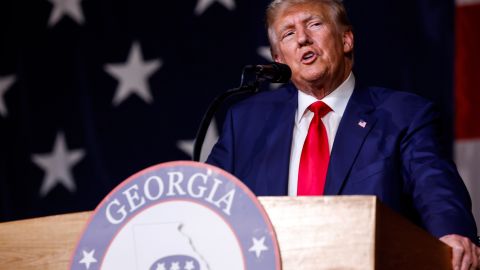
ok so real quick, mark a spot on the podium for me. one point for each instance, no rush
(329, 232)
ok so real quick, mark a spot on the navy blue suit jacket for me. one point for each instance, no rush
(397, 156)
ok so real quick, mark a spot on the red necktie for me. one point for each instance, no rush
(315, 154)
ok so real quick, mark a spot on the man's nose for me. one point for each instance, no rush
(303, 37)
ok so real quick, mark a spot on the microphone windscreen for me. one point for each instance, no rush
(274, 72)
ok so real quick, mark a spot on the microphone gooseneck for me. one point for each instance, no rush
(274, 72)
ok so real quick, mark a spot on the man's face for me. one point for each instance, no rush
(307, 40)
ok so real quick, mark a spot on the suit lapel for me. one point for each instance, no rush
(356, 123)
(279, 142)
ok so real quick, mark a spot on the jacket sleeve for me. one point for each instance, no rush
(223, 153)
(432, 179)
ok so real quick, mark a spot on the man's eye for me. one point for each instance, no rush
(287, 34)
(315, 24)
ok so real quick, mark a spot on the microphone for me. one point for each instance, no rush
(274, 72)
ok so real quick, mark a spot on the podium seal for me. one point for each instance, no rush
(179, 215)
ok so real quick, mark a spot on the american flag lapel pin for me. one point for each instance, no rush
(362, 123)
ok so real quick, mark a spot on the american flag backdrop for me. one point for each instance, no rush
(92, 91)
(467, 97)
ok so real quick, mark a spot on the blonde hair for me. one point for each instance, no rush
(338, 14)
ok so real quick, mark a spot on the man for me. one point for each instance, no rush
(366, 140)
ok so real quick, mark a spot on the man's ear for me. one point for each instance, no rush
(275, 56)
(348, 41)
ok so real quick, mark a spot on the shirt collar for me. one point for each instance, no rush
(337, 100)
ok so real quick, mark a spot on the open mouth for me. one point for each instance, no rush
(308, 57)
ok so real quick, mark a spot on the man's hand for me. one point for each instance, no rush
(465, 254)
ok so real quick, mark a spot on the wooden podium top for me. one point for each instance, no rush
(40, 243)
(330, 232)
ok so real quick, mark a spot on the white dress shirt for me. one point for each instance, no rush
(337, 101)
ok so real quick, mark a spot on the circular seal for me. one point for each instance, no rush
(179, 215)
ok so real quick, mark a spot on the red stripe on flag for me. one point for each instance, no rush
(467, 72)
